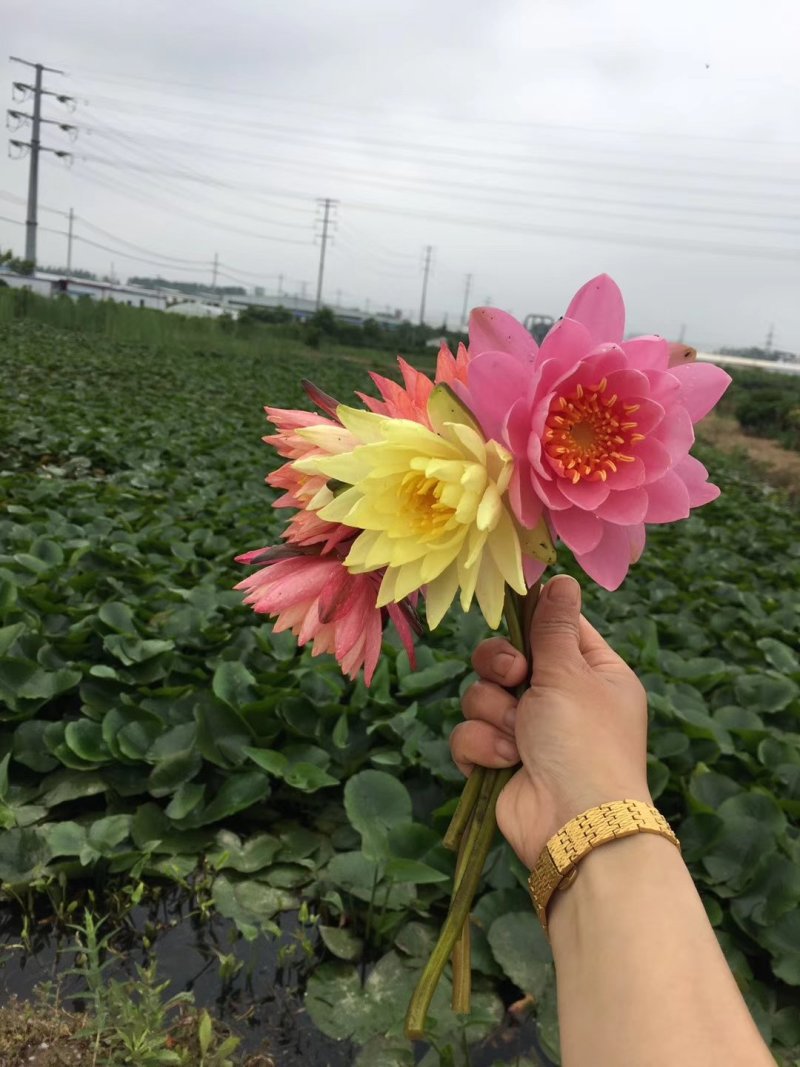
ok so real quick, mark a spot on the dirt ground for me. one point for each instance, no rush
(780, 466)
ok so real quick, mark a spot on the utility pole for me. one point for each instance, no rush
(35, 145)
(327, 205)
(467, 288)
(426, 270)
(770, 337)
(214, 270)
(69, 241)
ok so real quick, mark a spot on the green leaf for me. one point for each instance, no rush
(85, 738)
(403, 870)
(438, 674)
(233, 684)
(268, 759)
(251, 905)
(186, 798)
(205, 1033)
(376, 802)
(254, 855)
(9, 634)
(118, 617)
(779, 655)
(308, 778)
(23, 855)
(521, 948)
(341, 731)
(767, 692)
(242, 790)
(341, 942)
(65, 838)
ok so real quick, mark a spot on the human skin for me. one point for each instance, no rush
(641, 979)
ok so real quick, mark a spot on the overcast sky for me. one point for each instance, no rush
(532, 144)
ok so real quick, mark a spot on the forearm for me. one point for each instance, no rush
(642, 981)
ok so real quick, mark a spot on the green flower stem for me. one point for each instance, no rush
(462, 956)
(461, 960)
(464, 809)
(471, 830)
(459, 911)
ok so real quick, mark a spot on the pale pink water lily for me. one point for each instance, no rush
(600, 427)
(321, 602)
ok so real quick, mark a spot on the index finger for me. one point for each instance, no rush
(498, 661)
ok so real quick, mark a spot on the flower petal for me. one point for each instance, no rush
(493, 330)
(580, 530)
(668, 499)
(676, 433)
(599, 306)
(655, 457)
(497, 380)
(586, 495)
(695, 478)
(647, 353)
(624, 506)
(566, 344)
(702, 384)
(608, 563)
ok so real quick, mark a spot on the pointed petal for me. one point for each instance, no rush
(608, 563)
(579, 530)
(586, 495)
(695, 478)
(625, 506)
(676, 433)
(439, 595)
(496, 381)
(493, 330)
(647, 353)
(668, 499)
(599, 306)
(702, 384)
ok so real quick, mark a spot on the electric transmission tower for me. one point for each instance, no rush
(21, 118)
(327, 206)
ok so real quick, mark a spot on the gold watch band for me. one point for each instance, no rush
(556, 867)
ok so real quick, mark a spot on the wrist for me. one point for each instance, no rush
(605, 879)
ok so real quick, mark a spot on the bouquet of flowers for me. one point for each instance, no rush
(463, 486)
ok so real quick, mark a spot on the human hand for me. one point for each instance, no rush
(580, 730)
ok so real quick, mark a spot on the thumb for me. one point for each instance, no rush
(555, 641)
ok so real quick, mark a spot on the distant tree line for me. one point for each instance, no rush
(20, 266)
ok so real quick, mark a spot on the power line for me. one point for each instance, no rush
(467, 119)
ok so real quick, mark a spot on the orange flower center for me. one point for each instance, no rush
(589, 434)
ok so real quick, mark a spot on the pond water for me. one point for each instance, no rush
(262, 1002)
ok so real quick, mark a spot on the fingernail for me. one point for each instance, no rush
(505, 749)
(510, 720)
(502, 663)
(563, 590)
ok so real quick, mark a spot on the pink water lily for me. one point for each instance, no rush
(321, 602)
(600, 427)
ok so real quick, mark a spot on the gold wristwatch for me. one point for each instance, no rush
(557, 865)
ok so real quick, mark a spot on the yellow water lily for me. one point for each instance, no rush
(430, 506)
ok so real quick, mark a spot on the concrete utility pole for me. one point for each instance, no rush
(426, 270)
(214, 270)
(467, 288)
(327, 206)
(770, 338)
(69, 241)
(34, 145)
